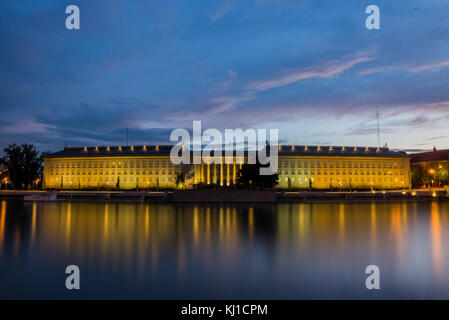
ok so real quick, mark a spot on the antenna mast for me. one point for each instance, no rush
(378, 131)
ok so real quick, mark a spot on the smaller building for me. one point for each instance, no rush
(4, 177)
(430, 169)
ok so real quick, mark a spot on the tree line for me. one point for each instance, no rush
(21, 166)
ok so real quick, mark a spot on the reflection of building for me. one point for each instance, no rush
(430, 168)
(299, 166)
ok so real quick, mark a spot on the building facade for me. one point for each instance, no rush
(299, 167)
(430, 168)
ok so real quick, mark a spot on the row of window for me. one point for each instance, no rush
(343, 172)
(112, 172)
(337, 181)
(341, 164)
(113, 180)
(107, 163)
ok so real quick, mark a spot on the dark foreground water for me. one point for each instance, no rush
(164, 251)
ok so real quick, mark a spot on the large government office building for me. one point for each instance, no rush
(299, 167)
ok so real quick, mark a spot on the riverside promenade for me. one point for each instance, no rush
(224, 196)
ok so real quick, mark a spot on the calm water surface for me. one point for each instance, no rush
(282, 251)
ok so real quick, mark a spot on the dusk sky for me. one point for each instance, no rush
(309, 68)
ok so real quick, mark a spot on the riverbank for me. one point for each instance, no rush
(223, 196)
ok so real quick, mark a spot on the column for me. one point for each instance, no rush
(208, 173)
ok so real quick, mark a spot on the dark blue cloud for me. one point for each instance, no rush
(300, 66)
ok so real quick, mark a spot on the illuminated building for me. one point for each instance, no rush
(430, 168)
(319, 167)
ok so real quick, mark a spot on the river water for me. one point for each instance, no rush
(280, 251)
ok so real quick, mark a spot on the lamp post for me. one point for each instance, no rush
(432, 171)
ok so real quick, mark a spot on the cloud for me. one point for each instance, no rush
(221, 104)
(232, 73)
(436, 66)
(224, 9)
(333, 69)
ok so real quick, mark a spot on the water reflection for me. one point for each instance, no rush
(316, 250)
(435, 229)
(2, 224)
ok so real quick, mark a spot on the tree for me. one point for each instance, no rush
(117, 185)
(24, 164)
(289, 181)
(180, 179)
(184, 175)
(250, 177)
(310, 184)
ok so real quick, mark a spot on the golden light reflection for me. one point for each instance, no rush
(147, 222)
(68, 223)
(436, 239)
(106, 222)
(373, 225)
(195, 226)
(33, 224)
(251, 223)
(2, 224)
(138, 239)
(397, 231)
(341, 222)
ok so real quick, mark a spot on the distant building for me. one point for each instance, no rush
(319, 167)
(4, 174)
(430, 168)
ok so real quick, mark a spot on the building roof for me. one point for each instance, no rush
(435, 155)
(340, 151)
(152, 150)
(111, 151)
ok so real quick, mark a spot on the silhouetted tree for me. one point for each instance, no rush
(24, 164)
(117, 185)
(250, 177)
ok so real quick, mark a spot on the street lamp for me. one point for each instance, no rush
(432, 171)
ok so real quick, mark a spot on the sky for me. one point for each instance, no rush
(309, 68)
